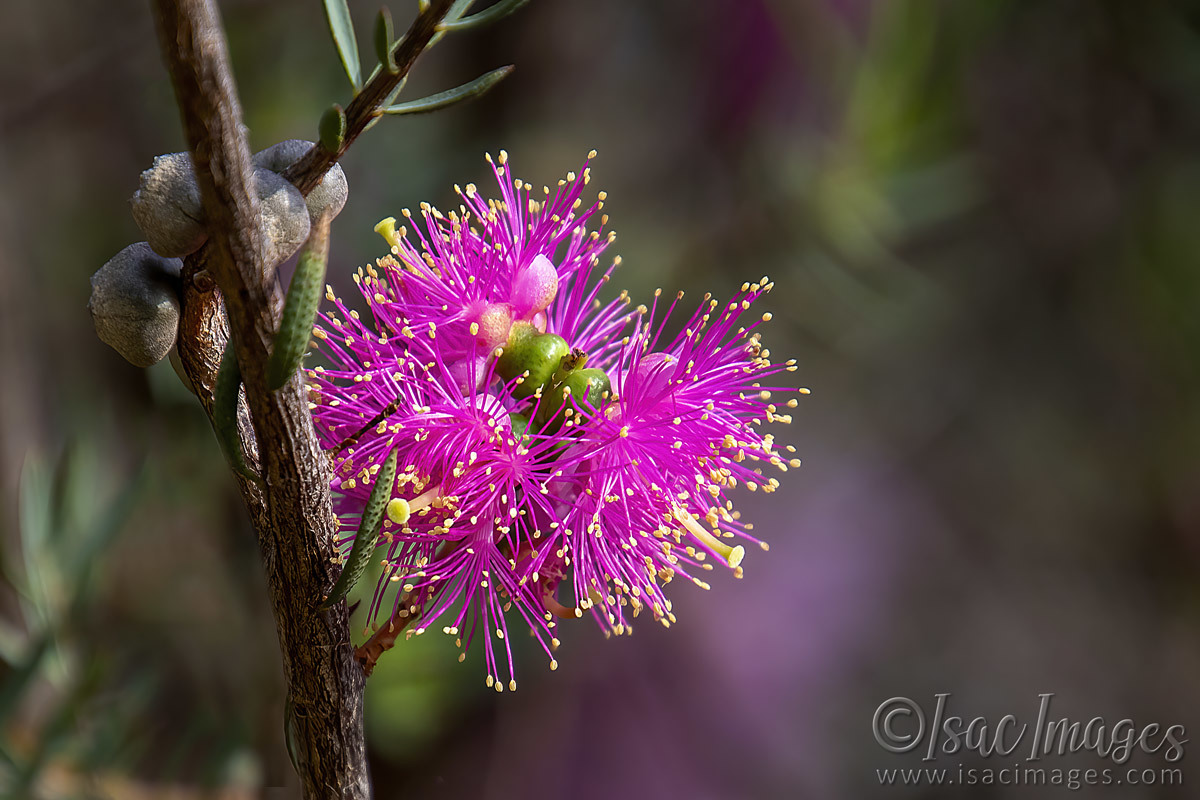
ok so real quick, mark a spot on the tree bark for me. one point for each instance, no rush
(292, 514)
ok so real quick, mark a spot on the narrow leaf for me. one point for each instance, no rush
(368, 532)
(100, 532)
(300, 308)
(435, 102)
(457, 9)
(16, 683)
(332, 128)
(342, 28)
(383, 40)
(492, 13)
(225, 411)
(290, 737)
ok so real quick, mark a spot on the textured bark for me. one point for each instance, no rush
(293, 516)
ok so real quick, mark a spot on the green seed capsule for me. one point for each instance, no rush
(519, 338)
(539, 353)
(225, 408)
(520, 425)
(368, 532)
(585, 389)
(300, 309)
(588, 388)
(571, 362)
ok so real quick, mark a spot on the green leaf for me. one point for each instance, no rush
(492, 13)
(19, 678)
(367, 535)
(300, 308)
(290, 737)
(12, 643)
(225, 411)
(342, 28)
(332, 128)
(35, 514)
(383, 40)
(98, 535)
(55, 734)
(436, 102)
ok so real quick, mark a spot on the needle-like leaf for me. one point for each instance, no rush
(342, 28)
(383, 40)
(331, 130)
(436, 102)
(492, 13)
(225, 406)
(300, 307)
(368, 532)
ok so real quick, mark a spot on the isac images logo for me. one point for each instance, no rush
(1025, 751)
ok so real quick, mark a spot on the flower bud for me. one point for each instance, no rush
(539, 353)
(469, 373)
(285, 220)
(495, 323)
(534, 288)
(330, 193)
(653, 374)
(135, 304)
(167, 206)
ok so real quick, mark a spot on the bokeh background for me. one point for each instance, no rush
(982, 222)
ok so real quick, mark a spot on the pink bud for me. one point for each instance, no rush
(534, 288)
(495, 321)
(469, 373)
(653, 374)
(491, 405)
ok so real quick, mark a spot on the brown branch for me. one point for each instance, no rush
(293, 518)
(408, 610)
(367, 106)
(384, 639)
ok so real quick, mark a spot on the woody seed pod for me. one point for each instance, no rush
(167, 206)
(135, 304)
(330, 193)
(285, 221)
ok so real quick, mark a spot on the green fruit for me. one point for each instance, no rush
(519, 338)
(586, 389)
(520, 425)
(538, 353)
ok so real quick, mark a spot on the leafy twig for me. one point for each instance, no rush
(367, 105)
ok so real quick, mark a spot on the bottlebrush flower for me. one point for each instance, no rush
(543, 437)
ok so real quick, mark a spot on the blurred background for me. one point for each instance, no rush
(982, 223)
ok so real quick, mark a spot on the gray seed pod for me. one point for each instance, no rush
(167, 206)
(135, 304)
(285, 220)
(330, 193)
